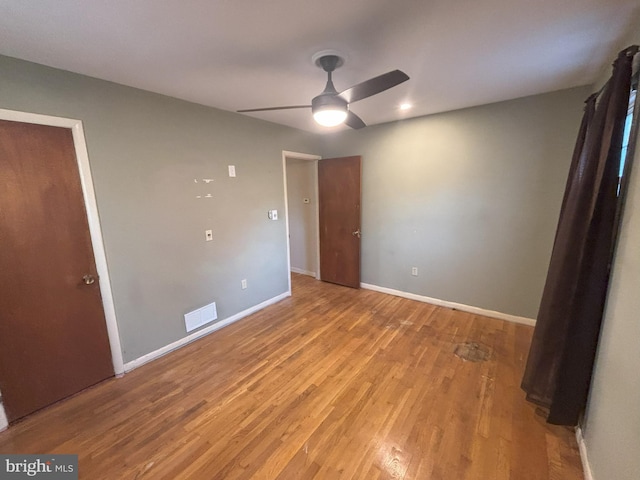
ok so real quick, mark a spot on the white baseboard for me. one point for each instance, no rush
(138, 362)
(303, 272)
(582, 446)
(4, 423)
(447, 304)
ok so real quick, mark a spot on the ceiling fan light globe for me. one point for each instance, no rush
(330, 117)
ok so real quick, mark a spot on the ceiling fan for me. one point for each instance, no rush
(331, 107)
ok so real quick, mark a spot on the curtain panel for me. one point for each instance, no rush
(565, 339)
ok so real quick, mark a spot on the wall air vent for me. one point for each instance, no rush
(201, 316)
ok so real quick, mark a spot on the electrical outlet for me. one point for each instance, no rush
(414, 271)
(243, 283)
(208, 235)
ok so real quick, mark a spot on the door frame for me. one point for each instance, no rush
(311, 158)
(95, 230)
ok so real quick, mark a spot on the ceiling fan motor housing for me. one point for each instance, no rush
(329, 98)
(328, 101)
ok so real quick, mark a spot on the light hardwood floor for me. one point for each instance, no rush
(333, 383)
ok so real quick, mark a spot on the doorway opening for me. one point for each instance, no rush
(301, 213)
(322, 210)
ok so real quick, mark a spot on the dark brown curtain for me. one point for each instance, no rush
(563, 349)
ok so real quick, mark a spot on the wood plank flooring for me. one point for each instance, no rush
(332, 383)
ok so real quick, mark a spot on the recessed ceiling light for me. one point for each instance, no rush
(405, 106)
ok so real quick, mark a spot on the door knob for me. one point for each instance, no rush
(88, 279)
(356, 233)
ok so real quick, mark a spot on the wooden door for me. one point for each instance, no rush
(53, 334)
(339, 208)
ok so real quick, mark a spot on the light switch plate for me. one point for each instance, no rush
(232, 170)
(208, 235)
(273, 214)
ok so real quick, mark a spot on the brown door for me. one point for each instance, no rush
(53, 335)
(339, 206)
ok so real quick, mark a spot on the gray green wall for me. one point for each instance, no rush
(470, 197)
(611, 428)
(145, 151)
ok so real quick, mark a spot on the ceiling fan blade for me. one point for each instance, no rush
(272, 108)
(374, 85)
(354, 121)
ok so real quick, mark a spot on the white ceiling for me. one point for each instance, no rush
(235, 54)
